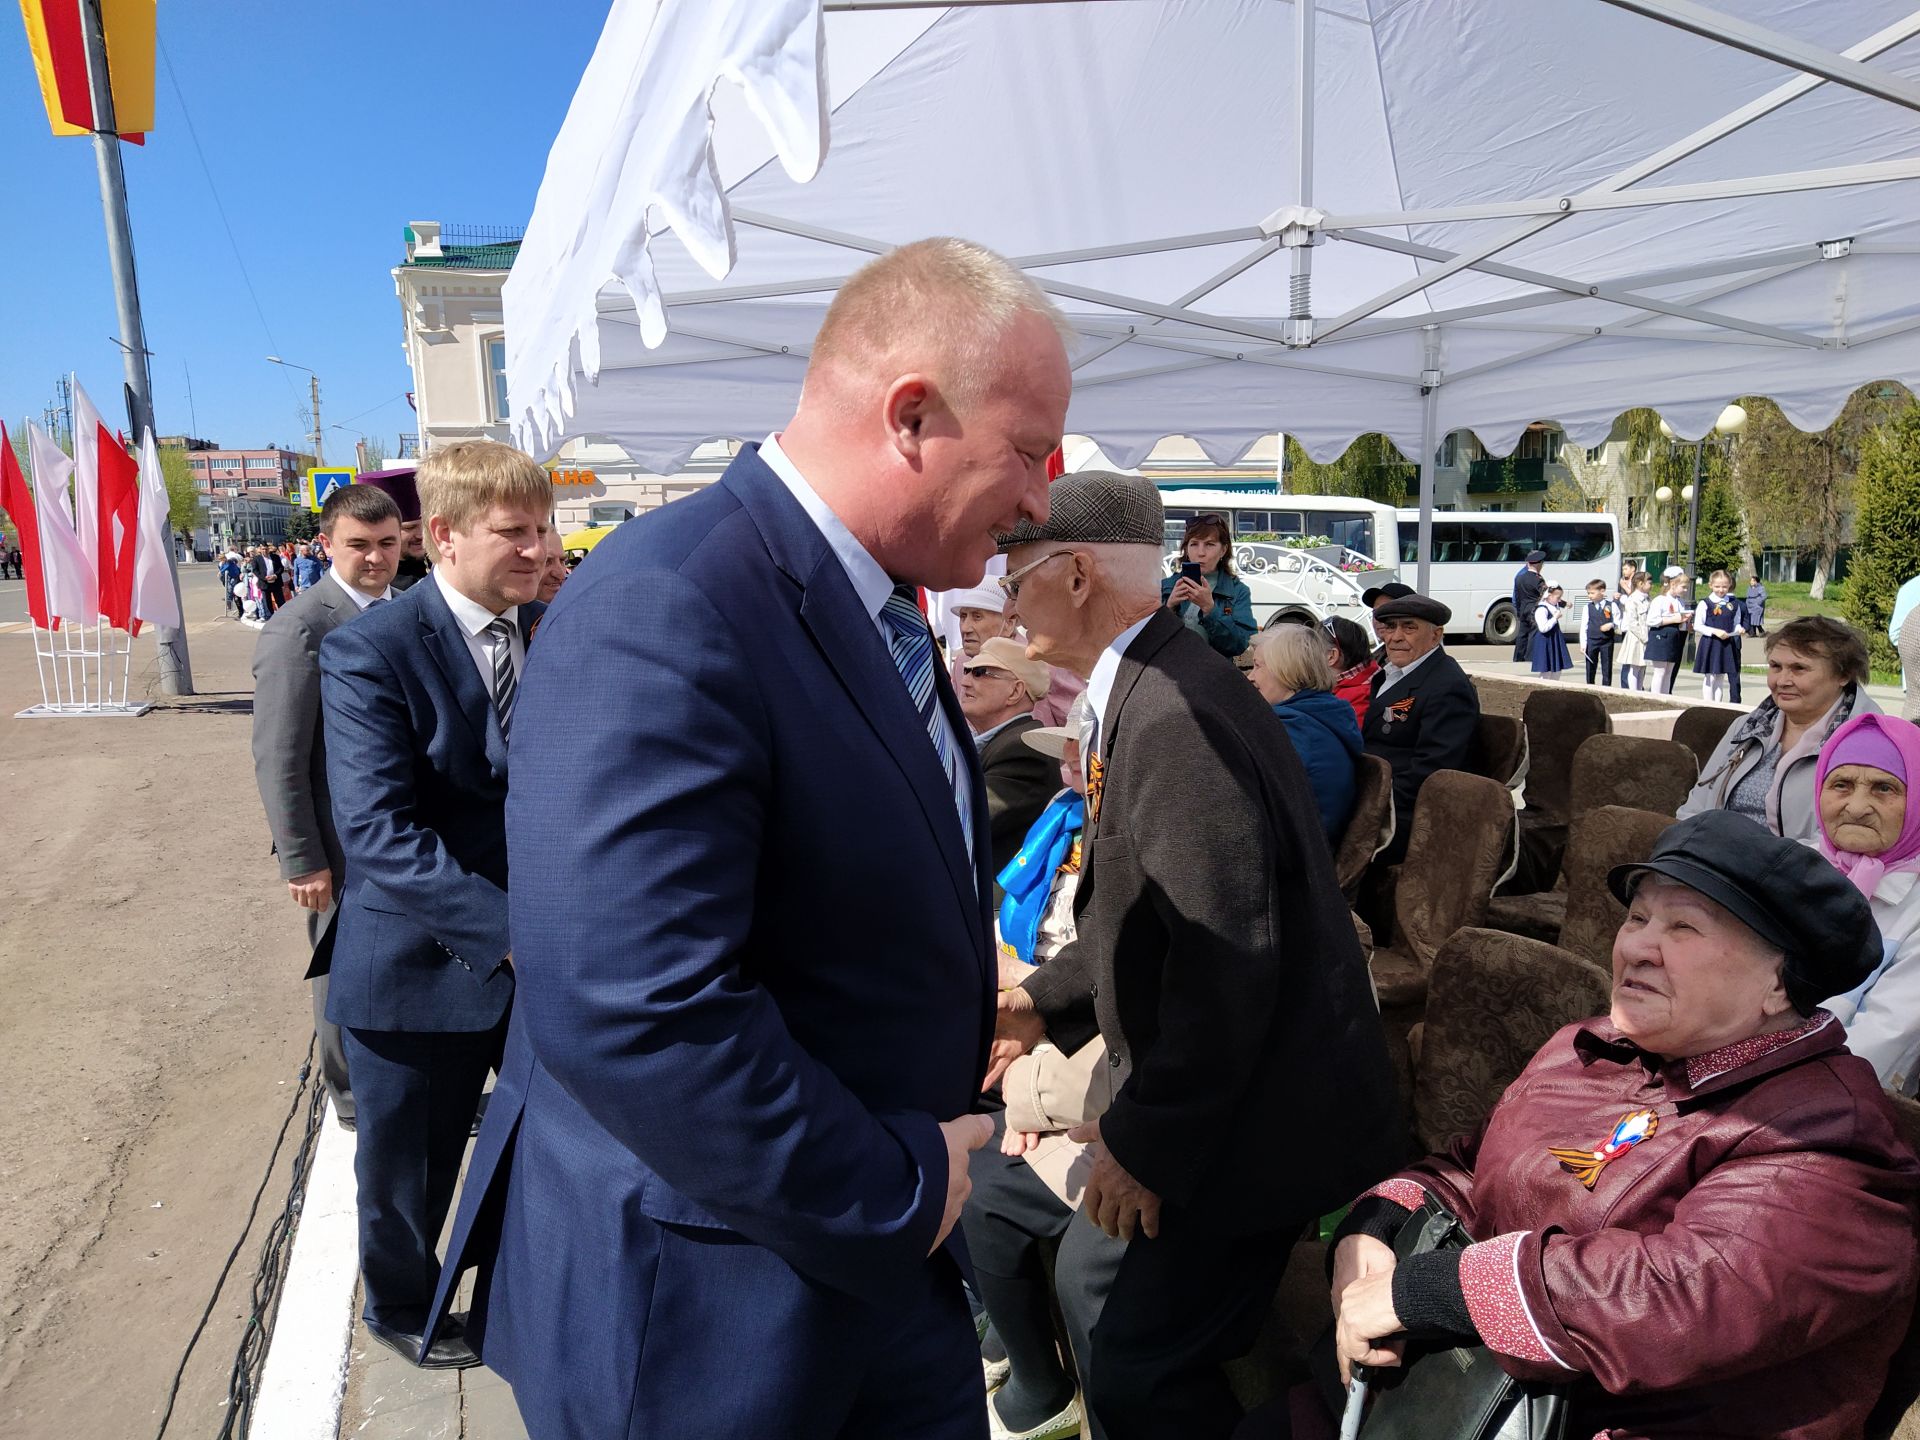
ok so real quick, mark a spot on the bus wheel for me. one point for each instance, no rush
(1501, 624)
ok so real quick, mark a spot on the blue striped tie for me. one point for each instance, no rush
(912, 645)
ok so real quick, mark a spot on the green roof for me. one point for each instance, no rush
(469, 257)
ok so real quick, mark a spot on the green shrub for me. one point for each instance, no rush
(1886, 548)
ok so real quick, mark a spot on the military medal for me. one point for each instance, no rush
(1096, 781)
(1398, 710)
(1586, 1165)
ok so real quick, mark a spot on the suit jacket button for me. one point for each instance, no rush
(1113, 1059)
(1093, 992)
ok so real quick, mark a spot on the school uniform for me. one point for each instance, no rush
(1598, 630)
(1665, 643)
(1718, 621)
(1550, 653)
(1633, 640)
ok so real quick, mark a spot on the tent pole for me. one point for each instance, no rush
(1300, 280)
(1772, 45)
(1429, 446)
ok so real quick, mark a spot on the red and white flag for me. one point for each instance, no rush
(87, 431)
(153, 596)
(17, 500)
(72, 589)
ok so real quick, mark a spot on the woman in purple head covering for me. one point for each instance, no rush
(1870, 829)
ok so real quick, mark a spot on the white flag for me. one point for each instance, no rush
(73, 594)
(153, 597)
(86, 475)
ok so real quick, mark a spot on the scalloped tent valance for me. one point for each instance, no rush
(1409, 216)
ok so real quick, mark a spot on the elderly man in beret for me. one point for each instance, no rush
(1247, 1068)
(1694, 1216)
(1424, 711)
(999, 687)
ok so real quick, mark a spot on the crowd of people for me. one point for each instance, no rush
(1644, 633)
(836, 988)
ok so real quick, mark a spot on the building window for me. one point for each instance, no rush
(232, 463)
(1450, 451)
(1637, 511)
(497, 376)
(1594, 453)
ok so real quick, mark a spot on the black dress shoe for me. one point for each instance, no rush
(450, 1349)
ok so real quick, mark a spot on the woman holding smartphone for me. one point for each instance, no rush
(1205, 593)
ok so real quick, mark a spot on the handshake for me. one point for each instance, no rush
(963, 1136)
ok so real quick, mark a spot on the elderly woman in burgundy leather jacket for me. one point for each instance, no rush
(1697, 1212)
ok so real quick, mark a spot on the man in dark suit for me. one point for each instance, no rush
(714, 1192)
(1424, 711)
(999, 687)
(1254, 1090)
(418, 698)
(1529, 586)
(361, 529)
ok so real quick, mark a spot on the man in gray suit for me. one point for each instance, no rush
(360, 526)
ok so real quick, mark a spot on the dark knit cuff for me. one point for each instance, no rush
(1427, 1296)
(1372, 1215)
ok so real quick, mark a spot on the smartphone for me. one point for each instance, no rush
(1191, 571)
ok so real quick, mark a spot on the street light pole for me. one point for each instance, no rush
(176, 670)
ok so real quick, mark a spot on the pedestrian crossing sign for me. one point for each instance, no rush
(322, 483)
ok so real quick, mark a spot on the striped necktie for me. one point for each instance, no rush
(503, 682)
(912, 645)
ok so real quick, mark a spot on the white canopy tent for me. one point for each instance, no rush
(1325, 217)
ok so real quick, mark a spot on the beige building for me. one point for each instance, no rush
(454, 334)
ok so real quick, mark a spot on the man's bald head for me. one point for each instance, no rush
(940, 307)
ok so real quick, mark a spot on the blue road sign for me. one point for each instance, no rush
(322, 483)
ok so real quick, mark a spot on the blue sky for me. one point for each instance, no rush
(326, 128)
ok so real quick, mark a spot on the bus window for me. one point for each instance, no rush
(1353, 531)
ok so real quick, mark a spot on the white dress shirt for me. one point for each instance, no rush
(1396, 673)
(360, 601)
(1106, 670)
(872, 586)
(473, 619)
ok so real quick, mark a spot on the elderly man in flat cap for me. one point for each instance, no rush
(999, 687)
(1248, 1070)
(1424, 709)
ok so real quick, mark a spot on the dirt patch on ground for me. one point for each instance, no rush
(152, 1026)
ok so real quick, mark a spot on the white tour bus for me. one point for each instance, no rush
(1361, 548)
(1476, 553)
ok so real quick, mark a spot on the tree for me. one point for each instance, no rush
(1886, 553)
(373, 453)
(1722, 541)
(1796, 488)
(183, 491)
(1564, 497)
(1371, 467)
(302, 525)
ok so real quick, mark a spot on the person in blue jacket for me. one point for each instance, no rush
(1291, 673)
(1218, 603)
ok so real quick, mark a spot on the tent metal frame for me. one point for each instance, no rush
(1201, 339)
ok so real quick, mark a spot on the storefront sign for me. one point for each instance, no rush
(575, 477)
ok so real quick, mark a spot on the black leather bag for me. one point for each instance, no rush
(1455, 1392)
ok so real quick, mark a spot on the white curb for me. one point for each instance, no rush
(305, 1380)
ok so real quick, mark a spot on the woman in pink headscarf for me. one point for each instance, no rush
(1870, 829)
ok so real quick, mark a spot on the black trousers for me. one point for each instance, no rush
(1150, 1322)
(414, 1100)
(1600, 658)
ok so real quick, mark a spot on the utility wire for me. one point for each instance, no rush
(220, 209)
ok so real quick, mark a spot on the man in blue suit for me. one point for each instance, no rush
(418, 696)
(716, 1189)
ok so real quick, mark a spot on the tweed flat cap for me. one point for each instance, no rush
(1413, 607)
(1097, 507)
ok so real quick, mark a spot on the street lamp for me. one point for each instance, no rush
(1731, 422)
(319, 453)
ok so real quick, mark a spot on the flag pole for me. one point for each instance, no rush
(176, 670)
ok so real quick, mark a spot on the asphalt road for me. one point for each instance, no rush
(195, 580)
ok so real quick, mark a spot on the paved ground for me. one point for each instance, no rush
(153, 1026)
(388, 1399)
(1478, 657)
